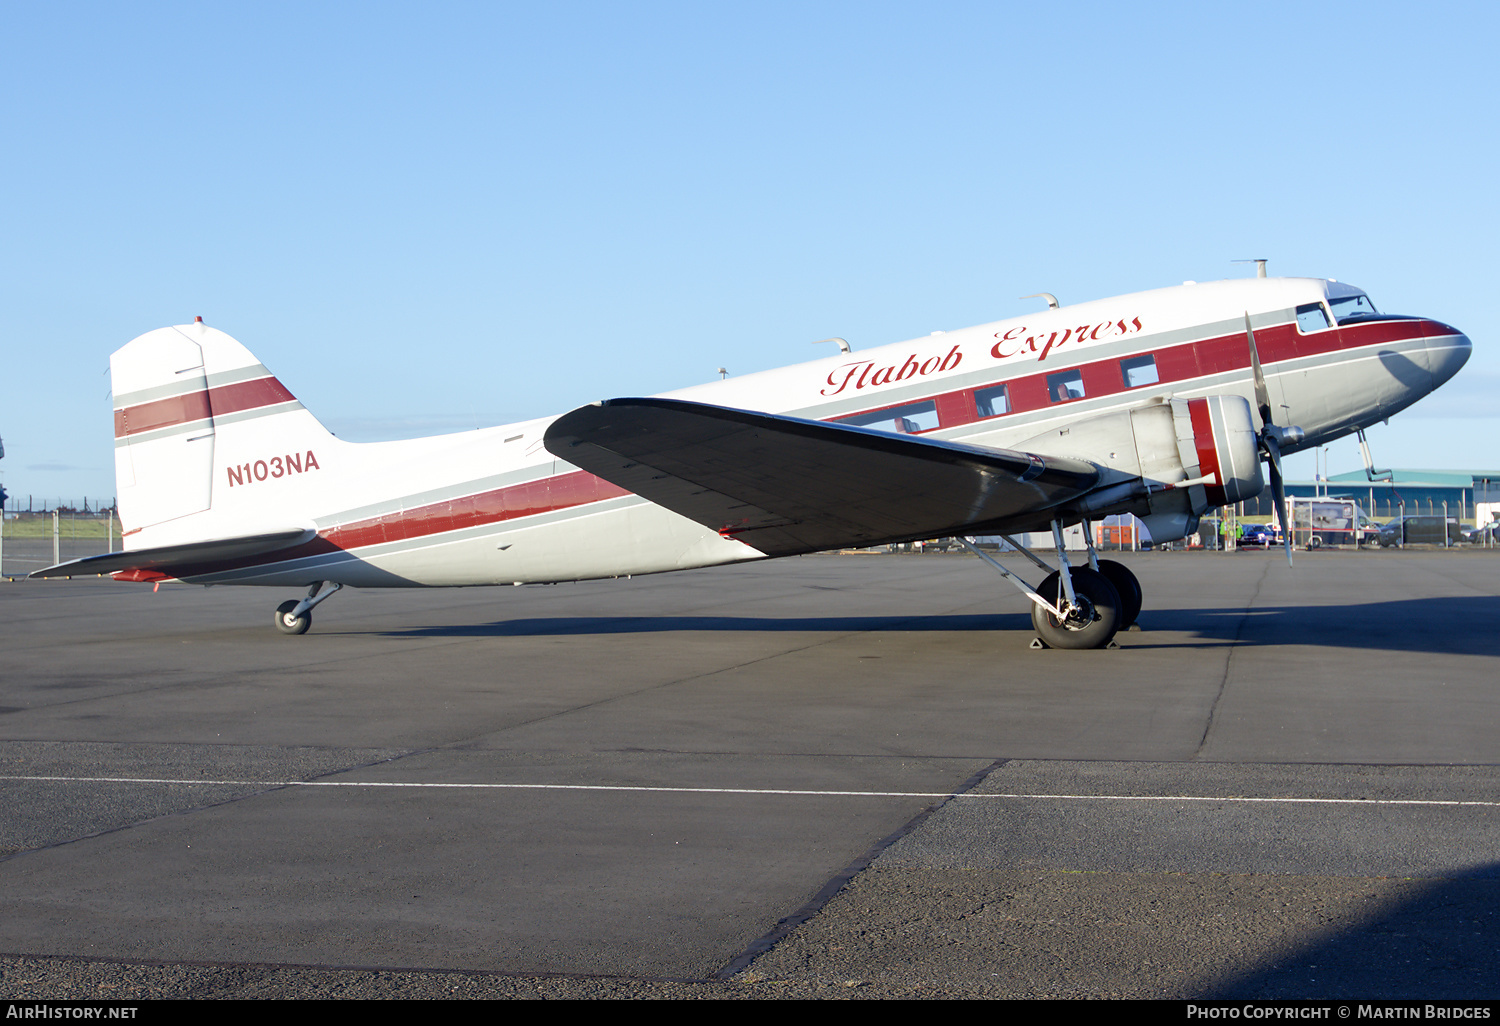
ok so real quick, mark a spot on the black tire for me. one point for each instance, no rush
(1128, 588)
(284, 622)
(1314, 542)
(1100, 612)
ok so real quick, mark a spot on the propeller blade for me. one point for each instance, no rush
(1262, 394)
(1269, 433)
(1278, 493)
(1273, 453)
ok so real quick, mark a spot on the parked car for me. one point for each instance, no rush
(1485, 534)
(1420, 530)
(1258, 536)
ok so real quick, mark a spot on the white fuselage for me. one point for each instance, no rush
(494, 506)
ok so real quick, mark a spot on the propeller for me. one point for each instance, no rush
(1271, 439)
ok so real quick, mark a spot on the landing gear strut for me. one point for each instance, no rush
(295, 617)
(1118, 574)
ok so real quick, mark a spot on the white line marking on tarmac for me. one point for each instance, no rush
(759, 791)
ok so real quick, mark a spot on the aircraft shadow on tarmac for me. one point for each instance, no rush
(1461, 626)
(1438, 944)
(1458, 626)
(582, 625)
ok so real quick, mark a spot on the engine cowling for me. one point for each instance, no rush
(1167, 462)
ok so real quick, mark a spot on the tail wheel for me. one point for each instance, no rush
(286, 623)
(1129, 589)
(1091, 623)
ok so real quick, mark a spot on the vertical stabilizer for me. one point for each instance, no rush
(208, 444)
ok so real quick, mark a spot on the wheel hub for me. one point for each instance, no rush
(1078, 615)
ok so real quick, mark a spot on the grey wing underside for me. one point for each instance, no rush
(786, 485)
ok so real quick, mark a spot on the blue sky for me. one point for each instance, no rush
(432, 217)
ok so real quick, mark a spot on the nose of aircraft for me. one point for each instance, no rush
(1446, 353)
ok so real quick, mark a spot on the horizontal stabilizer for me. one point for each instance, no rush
(786, 485)
(165, 558)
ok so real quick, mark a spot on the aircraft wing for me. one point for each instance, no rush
(786, 485)
(167, 557)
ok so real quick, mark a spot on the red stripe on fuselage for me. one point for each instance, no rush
(492, 507)
(1183, 361)
(184, 409)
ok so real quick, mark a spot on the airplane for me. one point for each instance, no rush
(1162, 404)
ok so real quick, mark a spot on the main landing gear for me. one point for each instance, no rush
(1125, 584)
(294, 617)
(1075, 607)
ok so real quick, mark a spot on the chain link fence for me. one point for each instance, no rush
(32, 539)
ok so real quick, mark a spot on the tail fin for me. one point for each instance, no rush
(199, 423)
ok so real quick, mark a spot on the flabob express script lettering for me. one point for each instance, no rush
(860, 374)
(1015, 341)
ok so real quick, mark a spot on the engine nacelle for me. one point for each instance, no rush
(1167, 462)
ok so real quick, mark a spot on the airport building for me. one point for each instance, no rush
(1470, 494)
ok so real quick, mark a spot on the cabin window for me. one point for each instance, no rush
(903, 420)
(1065, 386)
(992, 401)
(1312, 317)
(1140, 370)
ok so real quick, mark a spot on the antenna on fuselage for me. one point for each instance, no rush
(1259, 262)
(1052, 303)
(844, 346)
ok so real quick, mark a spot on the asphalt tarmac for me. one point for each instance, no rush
(831, 776)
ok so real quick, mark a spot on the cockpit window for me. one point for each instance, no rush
(1346, 307)
(1312, 317)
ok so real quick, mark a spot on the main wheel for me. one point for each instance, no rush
(1128, 588)
(1315, 542)
(286, 623)
(1090, 624)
